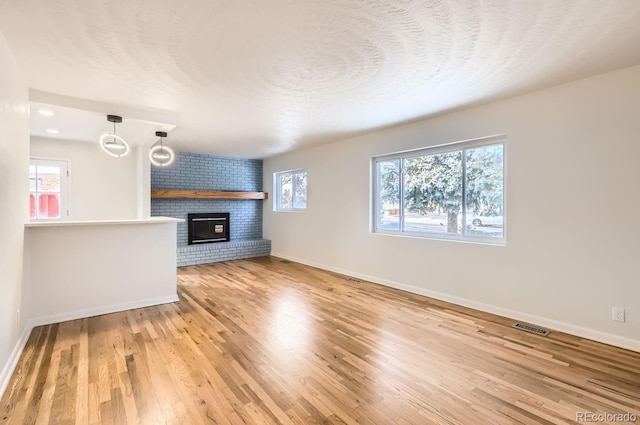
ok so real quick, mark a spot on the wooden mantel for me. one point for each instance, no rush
(206, 194)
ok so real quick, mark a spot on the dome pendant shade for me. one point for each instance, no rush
(113, 144)
(160, 155)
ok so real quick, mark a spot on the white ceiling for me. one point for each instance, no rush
(255, 78)
(88, 126)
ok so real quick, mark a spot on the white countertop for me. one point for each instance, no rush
(150, 220)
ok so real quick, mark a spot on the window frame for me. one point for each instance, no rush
(277, 189)
(459, 146)
(65, 185)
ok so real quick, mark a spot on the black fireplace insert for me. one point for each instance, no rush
(208, 228)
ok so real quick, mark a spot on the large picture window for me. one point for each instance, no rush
(454, 191)
(291, 190)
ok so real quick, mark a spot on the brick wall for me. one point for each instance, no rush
(245, 214)
(45, 181)
(223, 251)
(193, 171)
(207, 172)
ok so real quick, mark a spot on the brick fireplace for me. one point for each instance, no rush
(207, 173)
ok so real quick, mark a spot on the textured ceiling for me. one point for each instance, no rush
(255, 78)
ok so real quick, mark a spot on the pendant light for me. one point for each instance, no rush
(160, 155)
(111, 143)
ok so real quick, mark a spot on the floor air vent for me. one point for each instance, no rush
(286, 262)
(532, 329)
(354, 280)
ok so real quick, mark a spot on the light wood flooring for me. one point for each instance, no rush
(265, 341)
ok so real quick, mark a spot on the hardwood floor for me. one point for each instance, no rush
(264, 341)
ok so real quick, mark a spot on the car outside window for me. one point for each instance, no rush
(453, 191)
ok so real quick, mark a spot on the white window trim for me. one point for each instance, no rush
(277, 190)
(65, 188)
(431, 150)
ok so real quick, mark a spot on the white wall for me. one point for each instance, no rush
(573, 210)
(102, 187)
(14, 206)
(81, 269)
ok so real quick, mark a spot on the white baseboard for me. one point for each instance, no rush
(97, 311)
(11, 364)
(579, 331)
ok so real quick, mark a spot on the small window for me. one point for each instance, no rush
(48, 189)
(291, 190)
(453, 191)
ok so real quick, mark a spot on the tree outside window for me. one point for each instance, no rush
(456, 192)
(291, 190)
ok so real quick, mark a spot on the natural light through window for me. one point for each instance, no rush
(47, 189)
(445, 192)
(291, 190)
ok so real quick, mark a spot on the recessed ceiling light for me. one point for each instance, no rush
(53, 131)
(46, 112)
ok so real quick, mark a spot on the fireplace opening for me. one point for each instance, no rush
(208, 228)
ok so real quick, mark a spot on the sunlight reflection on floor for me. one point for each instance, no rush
(291, 325)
